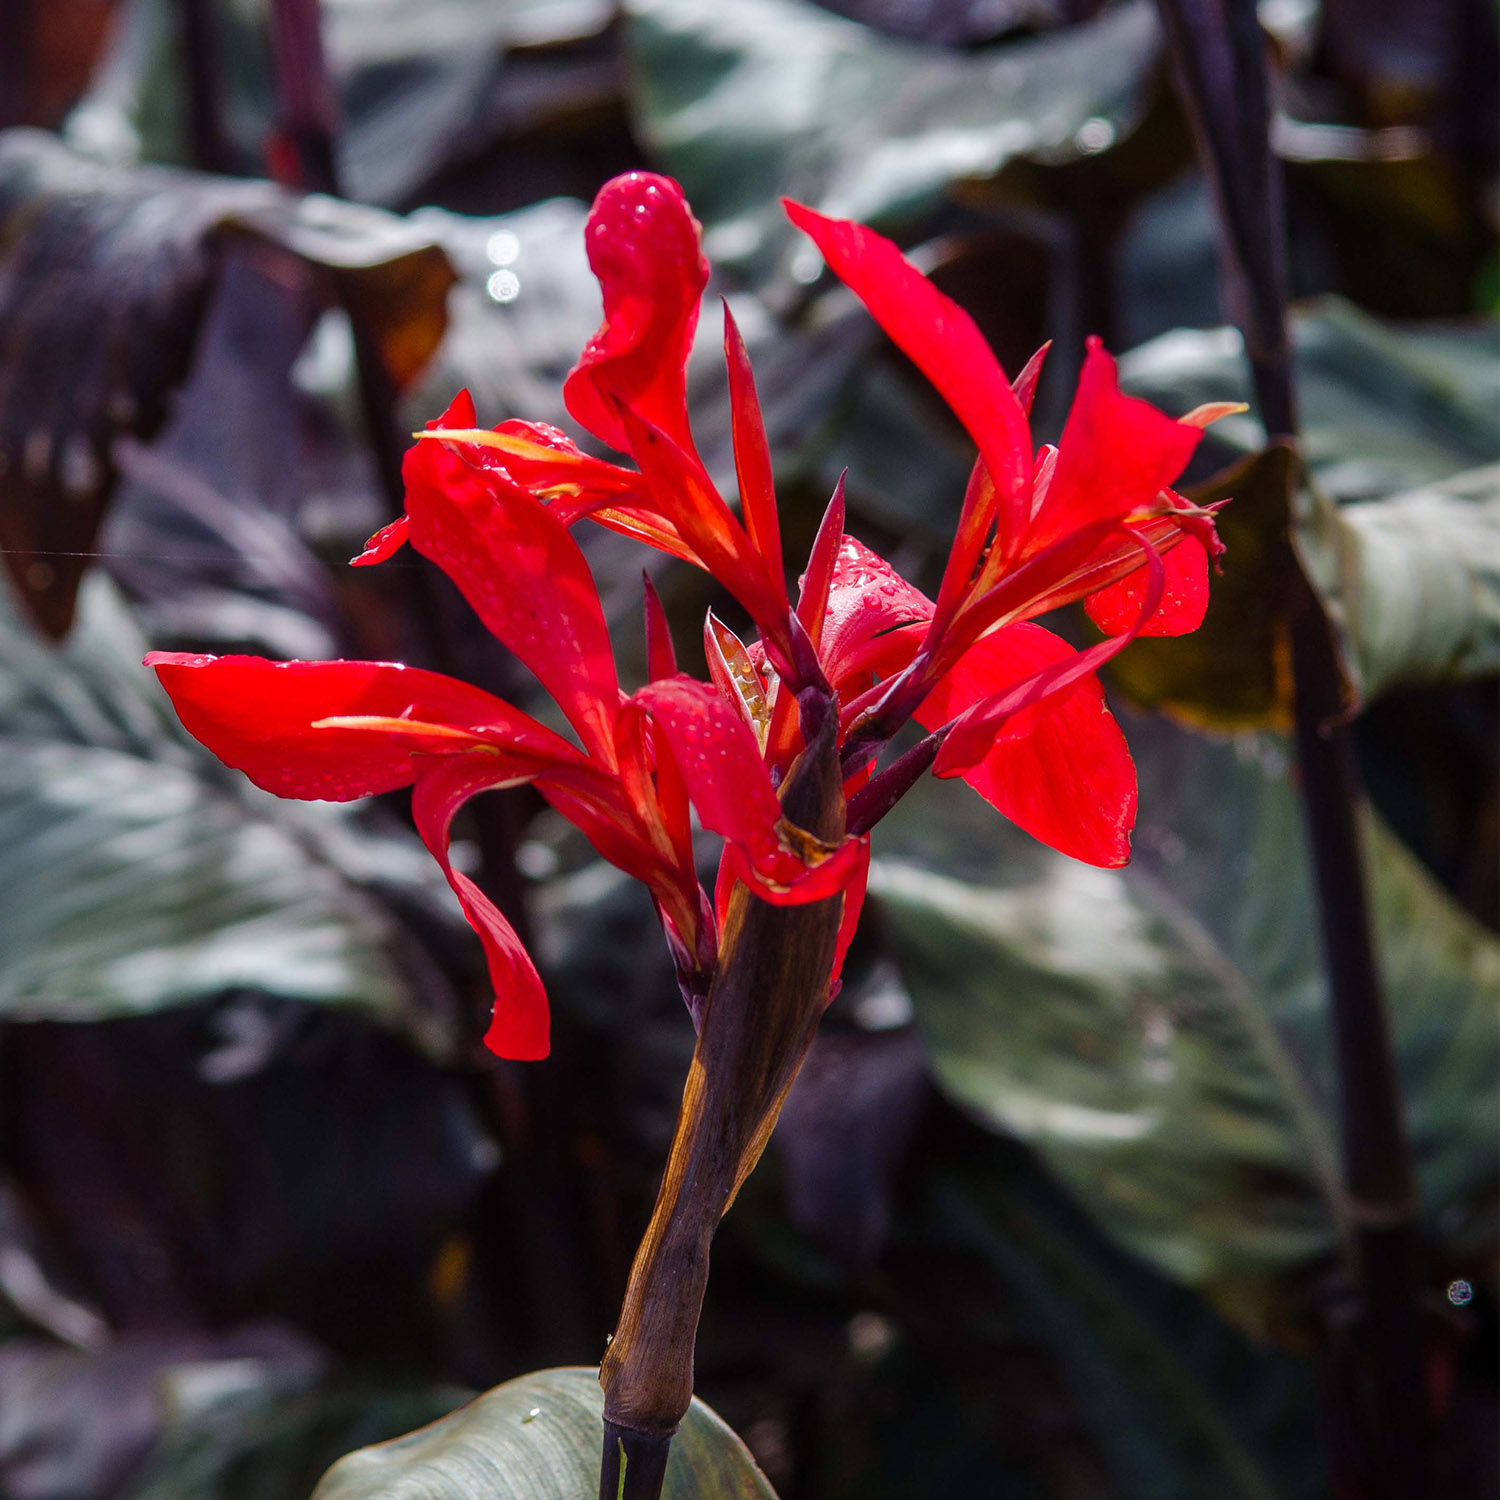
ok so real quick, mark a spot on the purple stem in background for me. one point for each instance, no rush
(1373, 1379)
(207, 139)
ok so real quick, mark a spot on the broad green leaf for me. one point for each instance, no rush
(137, 872)
(538, 1438)
(1181, 1405)
(747, 101)
(1383, 409)
(1412, 581)
(1159, 1034)
(104, 278)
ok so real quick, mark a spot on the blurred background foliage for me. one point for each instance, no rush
(1054, 1210)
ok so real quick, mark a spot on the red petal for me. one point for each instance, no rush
(867, 598)
(1024, 385)
(944, 343)
(385, 543)
(644, 246)
(752, 454)
(829, 877)
(518, 1026)
(814, 585)
(1059, 769)
(719, 759)
(1116, 455)
(680, 486)
(1184, 596)
(730, 786)
(257, 716)
(854, 901)
(525, 577)
(661, 654)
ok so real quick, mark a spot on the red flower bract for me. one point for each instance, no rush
(1012, 708)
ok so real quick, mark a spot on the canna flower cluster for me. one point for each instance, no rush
(1011, 708)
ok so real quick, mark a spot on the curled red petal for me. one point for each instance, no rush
(519, 1023)
(1060, 769)
(1184, 598)
(258, 717)
(645, 247)
(943, 342)
(524, 576)
(1116, 454)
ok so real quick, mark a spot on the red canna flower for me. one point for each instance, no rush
(1012, 708)
(340, 730)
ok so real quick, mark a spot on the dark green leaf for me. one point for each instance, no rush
(1383, 409)
(744, 102)
(137, 872)
(1392, 521)
(1159, 1034)
(1412, 581)
(538, 1438)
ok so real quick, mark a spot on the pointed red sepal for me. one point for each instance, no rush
(854, 902)
(943, 342)
(519, 1024)
(645, 247)
(1116, 455)
(1060, 769)
(661, 654)
(260, 717)
(970, 736)
(1024, 385)
(386, 542)
(1184, 595)
(812, 599)
(752, 453)
(524, 576)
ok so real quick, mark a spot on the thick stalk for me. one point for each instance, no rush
(1374, 1385)
(764, 1005)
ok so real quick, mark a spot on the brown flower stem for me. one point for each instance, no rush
(762, 1010)
(635, 1464)
(1373, 1377)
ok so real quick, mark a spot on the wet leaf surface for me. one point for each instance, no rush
(1159, 1035)
(140, 873)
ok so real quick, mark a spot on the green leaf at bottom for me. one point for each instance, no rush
(538, 1438)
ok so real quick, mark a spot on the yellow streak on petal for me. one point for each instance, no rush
(1211, 411)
